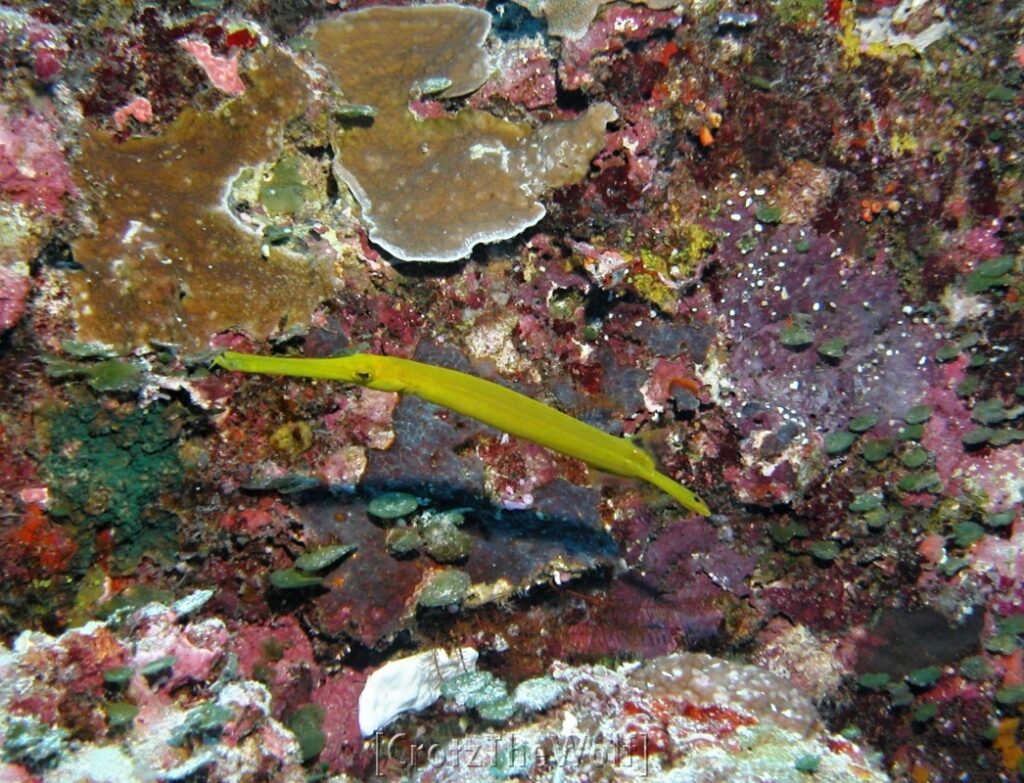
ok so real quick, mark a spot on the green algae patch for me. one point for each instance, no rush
(912, 432)
(120, 713)
(978, 436)
(110, 375)
(991, 274)
(826, 551)
(967, 533)
(918, 414)
(1000, 519)
(497, 711)
(920, 482)
(204, 723)
(925, 677)
(34, 744)
(448, 587)
(925, 712)
(797, 333)
(915, 458)
(863, 423)
(403, 541)
(839, 442)
(784, 533)
(392, 505)
(111, 468)
(474, 689)
(292, 579)
(876, 519)
(769, 213)
(167, 262)
(833, 349)
(864, 503)
(873, 681)
(431, 187)
(444, 541)
(306, 723)
(284, 190)
(323, 557)
(876, 449)
(808, 764)
(159, 667)
(118, 676)
(976, 667)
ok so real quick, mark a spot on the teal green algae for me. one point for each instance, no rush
(109, 469)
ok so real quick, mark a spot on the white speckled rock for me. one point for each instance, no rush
(684, 718)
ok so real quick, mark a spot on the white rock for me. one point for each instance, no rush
(97, 765)
(409, 685)
(191, 603)
(882, 28)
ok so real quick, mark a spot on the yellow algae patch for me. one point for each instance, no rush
(431, 188)
(167, 262)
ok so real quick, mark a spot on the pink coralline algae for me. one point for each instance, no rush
(855, 301)
(221, 71)
(14, 289)
(138, 109)
(668, 379)
(365, 418)
(33, 169)
(995, 474)
(684, 581)
(515, 470)
(279, 655)
(120, 693)
(1001, 562)
(197, 649)
(525, 76)
(614, 31)
(338, 698)
(815, 664)
(45, 45)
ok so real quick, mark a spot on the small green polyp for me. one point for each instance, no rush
(284, 192)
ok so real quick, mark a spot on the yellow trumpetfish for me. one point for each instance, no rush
(482, 400)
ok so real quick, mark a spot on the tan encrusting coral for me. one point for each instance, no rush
(167, 262)
(432, 188)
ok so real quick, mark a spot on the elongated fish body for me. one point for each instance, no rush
(487, 402)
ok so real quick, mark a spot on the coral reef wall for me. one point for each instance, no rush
(777, 246)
